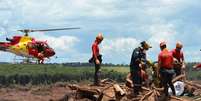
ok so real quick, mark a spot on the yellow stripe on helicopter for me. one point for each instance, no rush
(21, 47)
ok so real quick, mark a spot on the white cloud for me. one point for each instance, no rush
(162, 32)
(161, 8)
(119, 44)
(158, 32)
(50, 11)
(118, 48)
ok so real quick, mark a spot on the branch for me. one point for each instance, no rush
(178, 78)
(119, 90)
(146, 95)
(174, 97)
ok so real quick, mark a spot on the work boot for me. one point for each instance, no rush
(136, 92)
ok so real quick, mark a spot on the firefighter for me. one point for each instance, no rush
(138, 56)
(165, 63)
(97, 58)
(179, 64)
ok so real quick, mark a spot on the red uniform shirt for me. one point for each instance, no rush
(95, 49)
(178, 55)
(198, 66)
(165, 59)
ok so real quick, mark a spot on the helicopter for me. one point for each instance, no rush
(29, 47)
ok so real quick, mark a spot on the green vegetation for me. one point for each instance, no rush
(46, 74)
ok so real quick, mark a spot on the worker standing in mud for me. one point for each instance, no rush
(97, 58)
(165, 63)
(179, 64)
(138, 57)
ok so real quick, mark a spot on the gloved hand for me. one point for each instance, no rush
(138, 60)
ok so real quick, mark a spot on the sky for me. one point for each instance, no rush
(124, 25)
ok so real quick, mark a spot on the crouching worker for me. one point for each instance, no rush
(144, 76)
(165, 63)
(179, 65)
(97, 58)
(138, 56)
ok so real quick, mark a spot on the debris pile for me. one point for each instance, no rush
(112, 91)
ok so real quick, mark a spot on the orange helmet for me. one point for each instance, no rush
(163, 43)
(99, 36)
(179, 45)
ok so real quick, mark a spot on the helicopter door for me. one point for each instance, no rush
(32, 48)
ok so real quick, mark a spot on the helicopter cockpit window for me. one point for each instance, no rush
(40, 47)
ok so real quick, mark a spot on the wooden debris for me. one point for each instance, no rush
(151, 97)
(129, 82)
(156, 95)
(73, 87)
(198, 99)
(135, 99)
(88, 91)
(115, 92)
(180, 77)
(146, 95)
(104, 80)
(119, 90)
(189, 89)
(193, 84)
(108, 93)
(174, 97)
(92, 94)
(158, 89)
(107, 81)
(144, 88)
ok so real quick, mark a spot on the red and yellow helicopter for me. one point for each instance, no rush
(29, 47)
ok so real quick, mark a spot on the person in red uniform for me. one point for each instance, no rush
(197, 66)
(179, 59)
(165, 63)
(97, 58)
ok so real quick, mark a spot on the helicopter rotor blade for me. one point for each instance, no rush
(26, 30)
(42, 30)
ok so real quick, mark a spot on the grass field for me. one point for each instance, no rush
(46, 74)
(10, 69)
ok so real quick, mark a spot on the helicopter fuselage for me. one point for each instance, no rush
(27, 47)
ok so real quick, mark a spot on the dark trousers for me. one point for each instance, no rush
(97, 74)
(166, 79)
(137, 80)
(177, 71)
